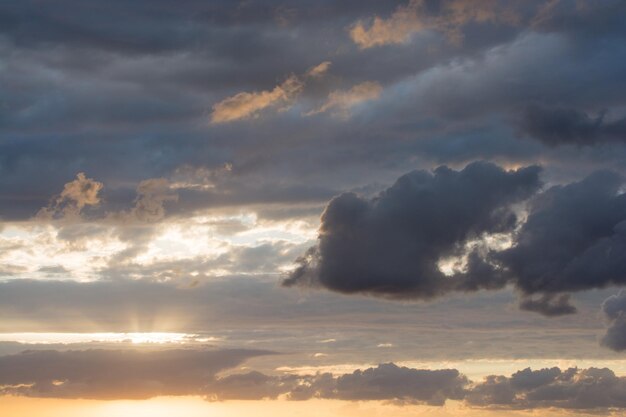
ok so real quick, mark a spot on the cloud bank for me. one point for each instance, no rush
(131, 374)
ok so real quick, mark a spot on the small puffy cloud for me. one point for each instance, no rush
(319, 70)
(417, 15)
(247, 105)
(340, 102)
(75, 196)
(614, 309)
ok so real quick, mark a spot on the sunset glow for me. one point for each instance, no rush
(335, 208)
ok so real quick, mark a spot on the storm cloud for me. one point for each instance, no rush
(574, 238)
(391, 245)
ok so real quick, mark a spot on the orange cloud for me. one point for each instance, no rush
(340, 102)
(75, 196)
(246, 105)
(413, 18)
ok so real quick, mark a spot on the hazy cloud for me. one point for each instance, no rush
(245, 105)
(319, 70)
(115, 374)
(563, 126)
(340, 102)
(447, 16)
(548, 304)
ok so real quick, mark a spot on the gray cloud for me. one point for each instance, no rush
(579, 389)
(391, 382)
(614, 309)
(390, 246)
(548, 304)
(572, 239)
(561, 126)
(134, 374)
(115, 374)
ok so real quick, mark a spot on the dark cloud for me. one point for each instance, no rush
(115, 374)
(578, 389)
(133, 374)
(574, 238)
(124, 93)
(391, 245)
(560, 126)
(614, 309)
(391, 382)
(549, 304)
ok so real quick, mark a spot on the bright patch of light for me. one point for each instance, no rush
(134, 338)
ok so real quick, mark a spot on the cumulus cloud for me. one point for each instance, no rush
(614, 309)
(391, 382)
(115, 374)
(138, 374)
(573, 239)
(76, 195)
(577, 389)
(447, 17)
(573, 388)
(391, 245)
(340, 102)
(562, 126)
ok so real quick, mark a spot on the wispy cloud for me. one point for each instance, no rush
(415, 17)
(340, 102)
(76, 195)
(246, 105)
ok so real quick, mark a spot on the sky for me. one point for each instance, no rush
(340, 208)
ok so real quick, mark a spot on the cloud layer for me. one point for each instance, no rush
(132, 374)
